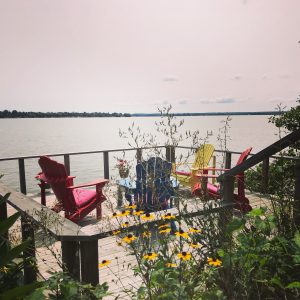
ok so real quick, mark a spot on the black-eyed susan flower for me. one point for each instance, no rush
(116, 232)
(194, 230)
(151, 256)
(163, 226)
(114, 215)
(138, 212)
(104, 263)
(132, 206)
(182, 233)
(129, 238)
(171, 265)
(125, 224)
(119, 244)
(166, 230)
(168, 216)
(184, 255)
(214, 262)
(124, 213)
(146, 234)
(195, 245)
(147, 217)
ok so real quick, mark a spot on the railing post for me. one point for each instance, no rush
(297, 196)
(3, 214)
(228, 160)
(170, 154)
(265, 175)
(29, 252)
(106, 164)
(70, 258)
(67, 163)
(89, 262)
(22, 176)
(139, 153)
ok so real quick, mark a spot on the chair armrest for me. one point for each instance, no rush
(92, 183)
(206, 176)
(214, 169)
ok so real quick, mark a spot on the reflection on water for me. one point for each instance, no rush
(26, 137)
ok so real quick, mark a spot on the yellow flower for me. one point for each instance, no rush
(147, 216)
(114, 215)
(4, 269)
(115, 232)
(214, 262)
(124, 213)
(151, 256)
(133, 206)
(182, 234)
(167, 230)
(171, 265)
(168, 216)
(138, 212)
(104, 263)
(164, 226)
(125, 224)
(147, 234)
(184, 255)
(129, 238)
(194, 230)
(195, 245)
(119, 243)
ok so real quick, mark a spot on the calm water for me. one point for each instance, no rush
(26, 137)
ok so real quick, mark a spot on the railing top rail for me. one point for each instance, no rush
(77, 153)
(263, 154)
(128, 149)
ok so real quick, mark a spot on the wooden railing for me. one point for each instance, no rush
(80, 250)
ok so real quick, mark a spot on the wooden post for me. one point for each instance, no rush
(70, 258)
(265, 175)
(89, 262)
(22, 176)
(297, 197)
(67, 163)
(106, 164)
(228, 160)
(29, 252)
(139, 153)
(170, 154)
(3, 214)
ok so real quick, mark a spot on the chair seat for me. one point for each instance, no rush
(82, 197)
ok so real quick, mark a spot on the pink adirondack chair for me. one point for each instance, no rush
(242, 202)
(73, 199)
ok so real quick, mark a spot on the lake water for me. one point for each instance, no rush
(27, 137)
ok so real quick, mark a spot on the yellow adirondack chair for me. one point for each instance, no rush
(202, 158)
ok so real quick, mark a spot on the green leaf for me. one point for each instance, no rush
(13, 253)
(235, 224)
(256, 212)
(294, 285)
(20, 291)
(38, 294)
(6, 224)
(297, 239)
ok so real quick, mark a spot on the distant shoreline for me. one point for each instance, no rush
(21, 115)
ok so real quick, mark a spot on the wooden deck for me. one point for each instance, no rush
(118, 275)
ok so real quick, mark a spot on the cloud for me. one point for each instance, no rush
(205, 102)
(170, 79)
(225, 100)
(182, 102)
(237, 77)
(284, 76)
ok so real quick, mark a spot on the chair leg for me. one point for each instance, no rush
(99, 211)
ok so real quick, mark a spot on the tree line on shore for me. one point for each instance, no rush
(6, 114)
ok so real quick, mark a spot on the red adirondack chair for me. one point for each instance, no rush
(73, 199)
(242, 202)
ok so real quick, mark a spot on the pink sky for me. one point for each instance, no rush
(135, 55)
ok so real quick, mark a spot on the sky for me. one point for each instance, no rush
(137, 55)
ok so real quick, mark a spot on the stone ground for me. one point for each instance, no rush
(117, 274)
